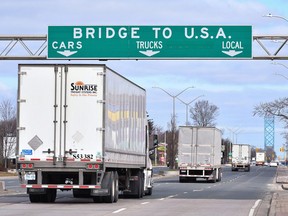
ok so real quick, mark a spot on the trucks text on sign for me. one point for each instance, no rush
(149, 42)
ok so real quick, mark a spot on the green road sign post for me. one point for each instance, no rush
(149, 42)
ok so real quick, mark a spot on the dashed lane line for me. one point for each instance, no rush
(119, 210)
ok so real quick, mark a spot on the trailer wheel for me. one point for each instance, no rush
(116, 182)
(50, 196)
(214, 177)
(137, 187)
(149, 192)
(219, 175)
(35, 198)
(247, 169)
(111, 189)
(140, 185)
(182, 179)
(97, 199)
(53, 195)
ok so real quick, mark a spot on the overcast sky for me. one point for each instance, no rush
(236, 87)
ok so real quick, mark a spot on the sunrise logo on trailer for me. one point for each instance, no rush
(79, 88)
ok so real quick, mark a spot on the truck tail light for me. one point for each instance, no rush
(93, 166)
(27, 166)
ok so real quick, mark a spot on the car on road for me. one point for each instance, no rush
(273, 164)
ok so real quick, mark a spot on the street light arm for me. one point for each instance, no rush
(184, 90)
(276, 63)
(196, 99)
(190, 101)
(282, 75)
(276, 16)
(164, 91)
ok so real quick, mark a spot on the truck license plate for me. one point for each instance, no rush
(30, 176)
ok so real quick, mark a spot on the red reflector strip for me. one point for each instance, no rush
(70, 159)
(35, 159)
(85, 160)
(49, 159)
(62, 186)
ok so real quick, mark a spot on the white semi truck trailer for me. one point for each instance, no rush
(260, 158)
(241, 157)
(81, 128)
(199, 153)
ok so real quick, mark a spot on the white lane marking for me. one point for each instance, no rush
(251, 212)
(171, 196)
(119, 210)
(144, 203)
(185, 192)
(197, 190)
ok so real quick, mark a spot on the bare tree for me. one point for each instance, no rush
(204, 114)
(278, 108)
(7, 129)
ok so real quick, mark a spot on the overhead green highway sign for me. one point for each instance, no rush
(149, 42)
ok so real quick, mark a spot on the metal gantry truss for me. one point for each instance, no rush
(34, 47)
(23, 47)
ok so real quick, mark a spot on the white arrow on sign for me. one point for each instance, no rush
(67, 53)
(232, 52)
(149, 52)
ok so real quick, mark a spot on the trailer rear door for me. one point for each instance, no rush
(60, 112)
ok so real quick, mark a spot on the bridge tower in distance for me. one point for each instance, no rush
(269, 132)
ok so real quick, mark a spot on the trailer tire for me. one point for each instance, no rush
(219, 176)
(111, 189)
(149, 192)
(182, 179)
(116, 182)
(140, 190)
(97, 199)
(214, 177)
(51, 195)
(35, 198)
(137, 187)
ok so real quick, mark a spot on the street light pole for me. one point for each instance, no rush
(230, 147)
(187, 104)
(276, 63)
(174, 97)
(172, 152)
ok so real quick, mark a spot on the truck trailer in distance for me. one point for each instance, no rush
(199, 153)
(81, 128)
(241, 157)
(260, 158)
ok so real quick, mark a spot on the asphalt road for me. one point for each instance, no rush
(239, 193)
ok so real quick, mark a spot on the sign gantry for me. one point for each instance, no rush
(144, 42)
